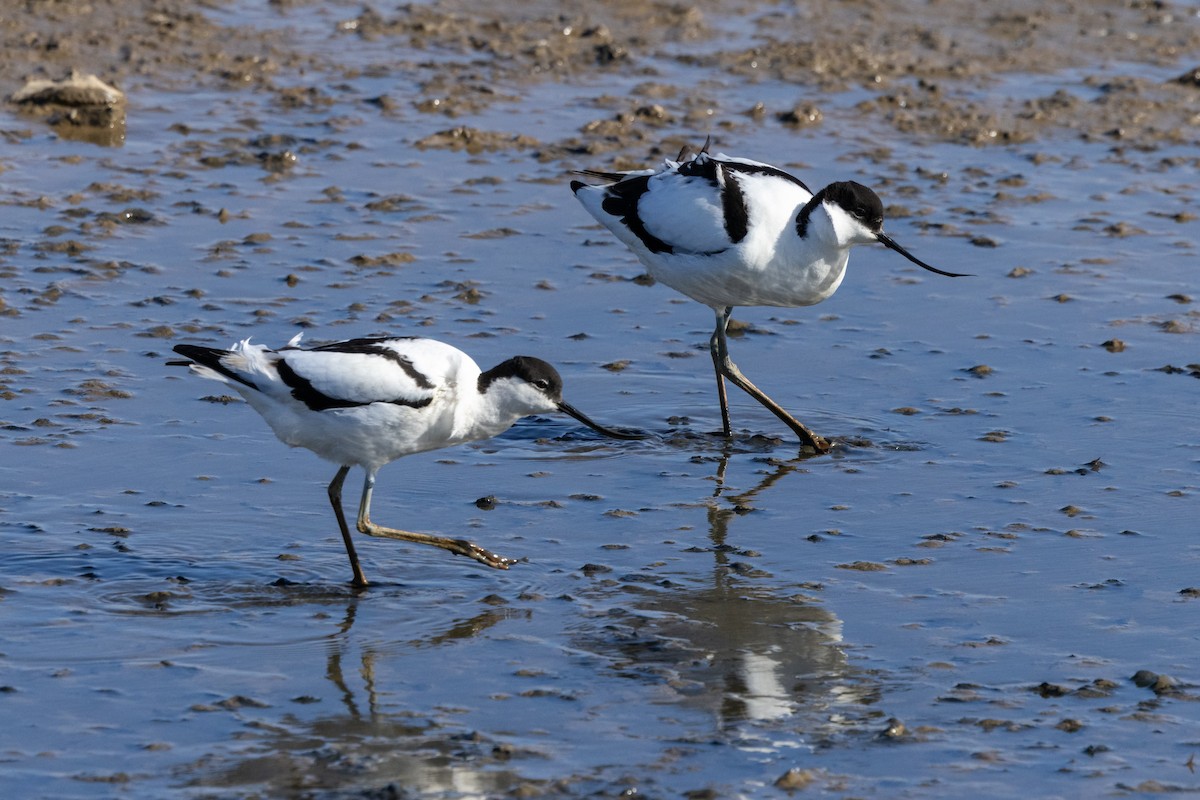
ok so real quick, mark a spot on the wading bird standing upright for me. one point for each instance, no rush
(734, 232)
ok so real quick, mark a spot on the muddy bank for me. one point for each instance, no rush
(923, 69)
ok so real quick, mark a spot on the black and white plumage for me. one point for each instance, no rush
(734, 232)
(367, 402)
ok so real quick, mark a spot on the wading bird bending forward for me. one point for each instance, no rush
(734, 232)
(367, 402)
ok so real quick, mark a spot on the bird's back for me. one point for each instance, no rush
(721, 230)
(359, 402)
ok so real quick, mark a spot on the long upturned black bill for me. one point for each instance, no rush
(610, 432)
(891, 244)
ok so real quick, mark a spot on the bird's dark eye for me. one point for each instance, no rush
(542, 384)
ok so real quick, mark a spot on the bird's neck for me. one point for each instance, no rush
(816, 228)
(483, 415)
(804, 218)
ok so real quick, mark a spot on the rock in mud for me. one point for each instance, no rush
(81, 107)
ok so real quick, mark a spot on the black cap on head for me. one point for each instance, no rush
(858, 201)
(529, 369)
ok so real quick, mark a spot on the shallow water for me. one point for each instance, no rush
(986, 559)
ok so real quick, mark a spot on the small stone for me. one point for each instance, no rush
(1144, 678)
(239, 701)
(1159, 684)
(795, 779)
(801, 116)
(864, 566)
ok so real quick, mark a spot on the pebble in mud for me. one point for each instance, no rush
(475, 141)
(864, 566)
(1159, 684)
(796, 779)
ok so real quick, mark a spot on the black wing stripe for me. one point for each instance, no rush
(621, 200)
(722, 176)
(316, 400)
(733, 207)
(305, 392)
(374, 347)
(765, 169)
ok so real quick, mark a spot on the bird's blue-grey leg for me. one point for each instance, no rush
(335, 499)
(714, 347)
(727, 368)
(458, 546)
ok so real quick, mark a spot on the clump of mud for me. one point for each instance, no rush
(78, 107)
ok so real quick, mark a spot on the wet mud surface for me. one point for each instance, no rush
(986, 589)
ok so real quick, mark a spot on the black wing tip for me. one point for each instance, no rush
(199, 353)
(208, 357)
(600, 175)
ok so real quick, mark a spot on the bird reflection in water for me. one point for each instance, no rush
(751, 654)
(368, 739)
